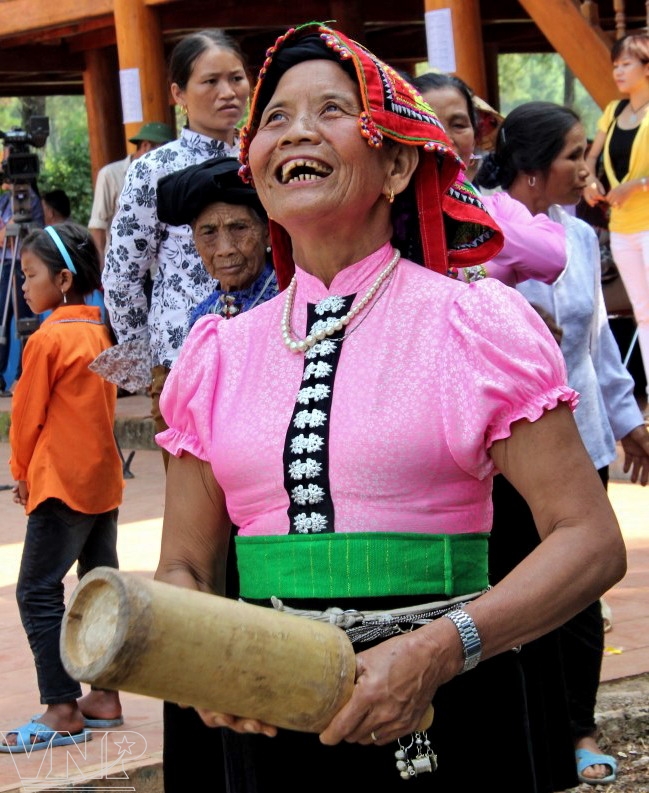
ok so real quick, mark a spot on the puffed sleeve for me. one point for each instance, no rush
(188, 395)
(509, 367)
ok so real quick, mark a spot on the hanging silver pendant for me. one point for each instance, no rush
(424, 761)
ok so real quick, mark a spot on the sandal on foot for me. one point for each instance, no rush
(97, 724)
(586, 758)
(44, 737)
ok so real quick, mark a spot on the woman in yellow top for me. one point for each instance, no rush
(623, 139)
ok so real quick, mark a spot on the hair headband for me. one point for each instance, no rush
(67, 259)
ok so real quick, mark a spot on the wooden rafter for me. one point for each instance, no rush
(580, 44)
(19, 16)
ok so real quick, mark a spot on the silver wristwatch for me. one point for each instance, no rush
(471, 645)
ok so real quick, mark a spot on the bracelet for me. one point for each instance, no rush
(469, 636)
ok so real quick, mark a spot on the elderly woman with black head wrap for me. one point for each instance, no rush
(230, 230)
(351, 427)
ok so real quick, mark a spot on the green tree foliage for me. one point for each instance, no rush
(9, 113)
(543, 77)
(65, 158)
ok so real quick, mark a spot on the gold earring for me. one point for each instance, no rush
(390, 196)
(65, 297)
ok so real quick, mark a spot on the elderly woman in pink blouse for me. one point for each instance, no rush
(351, 427)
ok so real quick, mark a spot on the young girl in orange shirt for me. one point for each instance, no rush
(68, 471)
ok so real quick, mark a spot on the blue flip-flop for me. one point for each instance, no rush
(98, 724)
(45, 737)
(586, 758)
(95, 724)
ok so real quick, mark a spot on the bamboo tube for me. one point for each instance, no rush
(124, 632)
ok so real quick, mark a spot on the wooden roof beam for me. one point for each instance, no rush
(69, 34)
(580, 45)
(20, 16)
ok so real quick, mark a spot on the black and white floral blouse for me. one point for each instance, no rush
(140, 243)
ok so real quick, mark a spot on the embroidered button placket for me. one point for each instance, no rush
(306, 457)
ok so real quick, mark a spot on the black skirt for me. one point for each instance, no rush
(548, 664)
(480, 734)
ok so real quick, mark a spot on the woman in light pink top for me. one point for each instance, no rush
(351, 427)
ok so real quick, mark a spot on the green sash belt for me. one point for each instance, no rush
(361, 565)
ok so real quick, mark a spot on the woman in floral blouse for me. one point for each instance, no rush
(209, 81)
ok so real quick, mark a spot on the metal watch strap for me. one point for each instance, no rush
(471, 645)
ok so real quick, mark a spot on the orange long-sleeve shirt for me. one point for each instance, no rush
(62, 415)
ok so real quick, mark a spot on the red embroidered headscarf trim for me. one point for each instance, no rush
(454, 229)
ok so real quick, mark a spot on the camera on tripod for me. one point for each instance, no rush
(19, 170)
(21, 167)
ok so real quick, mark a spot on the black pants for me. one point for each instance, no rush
(56, 538)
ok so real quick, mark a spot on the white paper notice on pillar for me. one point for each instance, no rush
(129, 83)
(439, 40)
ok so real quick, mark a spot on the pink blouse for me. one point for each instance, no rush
(430, 374)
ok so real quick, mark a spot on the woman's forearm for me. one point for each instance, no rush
(196, 528)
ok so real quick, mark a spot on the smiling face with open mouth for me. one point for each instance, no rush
(309, 159)
(303, 171)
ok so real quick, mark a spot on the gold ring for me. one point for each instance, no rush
(373, 736)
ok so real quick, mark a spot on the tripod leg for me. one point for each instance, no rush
(7, 267)
(17, 326)
(126, 469)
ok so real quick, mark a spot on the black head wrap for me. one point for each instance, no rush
(308, 48)
(183, 195)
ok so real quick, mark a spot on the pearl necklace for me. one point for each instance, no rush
(301, 345)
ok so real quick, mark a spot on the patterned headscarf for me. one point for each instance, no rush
(439, 220)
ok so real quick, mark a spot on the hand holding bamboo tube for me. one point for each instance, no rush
(129, 633)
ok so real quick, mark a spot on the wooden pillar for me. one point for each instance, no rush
(103, 108)
(348, 16)
(467, 40)
(620, 19)
(143, 79)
